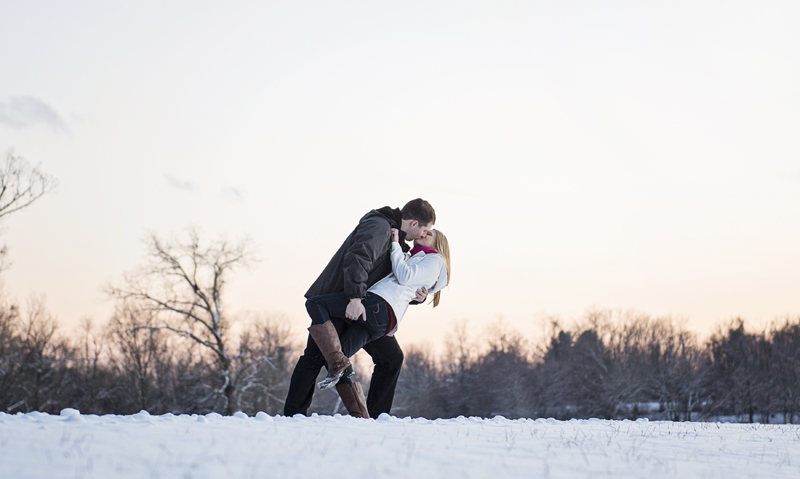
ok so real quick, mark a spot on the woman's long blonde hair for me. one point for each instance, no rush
(443, 247)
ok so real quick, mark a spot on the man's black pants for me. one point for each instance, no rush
(388, 359)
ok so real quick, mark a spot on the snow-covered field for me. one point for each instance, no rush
(38, 445)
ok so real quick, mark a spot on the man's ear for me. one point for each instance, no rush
(413, 224)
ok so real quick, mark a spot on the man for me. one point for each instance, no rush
(361, 261)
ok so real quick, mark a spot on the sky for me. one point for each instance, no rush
(634, 155)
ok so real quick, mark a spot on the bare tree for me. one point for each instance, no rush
(735, 365)
(21, 184)
(460, 350)
(263, 365)
(88, 367)
(10, 352)
(419, 379)
(135, 351)
(503, 374)
(44, 359)
(155, 370)
(39, 330)
(184, 282)
(785, 336)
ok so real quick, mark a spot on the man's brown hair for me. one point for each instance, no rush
(419, 210)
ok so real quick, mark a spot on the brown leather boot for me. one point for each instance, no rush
(328, 343)
(353, 399)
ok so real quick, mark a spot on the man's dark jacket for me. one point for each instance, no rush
(364, 257)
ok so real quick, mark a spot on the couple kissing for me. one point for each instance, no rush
(359, 300)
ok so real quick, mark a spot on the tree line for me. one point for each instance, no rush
(613, 365)
(172, 346)
(128, 366)
(610, 364)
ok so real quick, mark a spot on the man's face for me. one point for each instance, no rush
(428, 239)
(416, 230)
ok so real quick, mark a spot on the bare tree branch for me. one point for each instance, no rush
(21, 184)
(190, 276)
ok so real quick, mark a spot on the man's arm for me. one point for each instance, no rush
(372, 237)
(422, 294)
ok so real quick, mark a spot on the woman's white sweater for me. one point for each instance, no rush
(410, 273)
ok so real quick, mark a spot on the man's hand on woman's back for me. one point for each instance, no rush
(422, 293)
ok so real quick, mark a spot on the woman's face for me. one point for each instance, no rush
(428, 239)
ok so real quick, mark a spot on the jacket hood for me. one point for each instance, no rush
(395, 219)
(392, 215)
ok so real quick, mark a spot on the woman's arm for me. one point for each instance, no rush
(426, 271)
(422, 292)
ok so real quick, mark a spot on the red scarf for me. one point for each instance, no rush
(424, 249)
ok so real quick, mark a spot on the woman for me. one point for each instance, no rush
(426, 266)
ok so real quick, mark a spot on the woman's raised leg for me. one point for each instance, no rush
(322, 309)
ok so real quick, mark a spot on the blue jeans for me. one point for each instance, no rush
(325, 307)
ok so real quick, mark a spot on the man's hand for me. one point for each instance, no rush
(395, 235)
(355, 310)
(422, 293)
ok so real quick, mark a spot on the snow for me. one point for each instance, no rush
(38, 445)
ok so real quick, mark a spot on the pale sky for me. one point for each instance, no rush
(638, 155)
